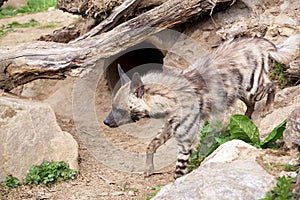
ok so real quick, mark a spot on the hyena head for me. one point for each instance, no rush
(128, 104)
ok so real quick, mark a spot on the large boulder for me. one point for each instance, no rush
(230, 172)
(57, 93)
(29, 134)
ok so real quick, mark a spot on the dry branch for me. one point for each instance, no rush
(22, 64)
(126, 7)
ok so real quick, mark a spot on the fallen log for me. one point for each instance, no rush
(27, 62)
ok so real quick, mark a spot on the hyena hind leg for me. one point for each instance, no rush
(185, 139)
(182, 163)
(162, 137)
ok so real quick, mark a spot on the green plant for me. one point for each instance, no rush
(32, 6)
(209, 138)
(48, 173)
(282, 191)
(157, 189)
(290, 168)
(4, 29)
(240, 127)
(239, 130)
(7, 12)
(277, 73)
(11, 182)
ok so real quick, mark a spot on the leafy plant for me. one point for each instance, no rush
(48, 173)
(11, 182)
(157, 189)
(282, 191)
(239, 130)
(240, 127)
(276, 134)
(209, 139)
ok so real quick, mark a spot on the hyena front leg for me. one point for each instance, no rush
(162, 137)
(250, 106)
(268, 108)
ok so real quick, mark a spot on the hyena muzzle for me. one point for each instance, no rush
(237, 69)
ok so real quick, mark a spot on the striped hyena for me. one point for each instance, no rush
(236, 69)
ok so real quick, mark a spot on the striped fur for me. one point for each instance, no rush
(236, 69)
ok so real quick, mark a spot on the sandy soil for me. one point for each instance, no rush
(95, 180)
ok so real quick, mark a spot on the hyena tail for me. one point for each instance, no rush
(287, 51)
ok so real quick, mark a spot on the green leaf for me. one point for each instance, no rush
(241, 127)
(275, 134)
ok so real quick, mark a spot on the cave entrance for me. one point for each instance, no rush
(141, 58)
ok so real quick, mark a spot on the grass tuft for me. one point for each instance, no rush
(32, 6)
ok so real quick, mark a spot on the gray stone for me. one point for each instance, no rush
(286, 101)
(291, 134)
(57, 93)
(29, 134)
(230, 172)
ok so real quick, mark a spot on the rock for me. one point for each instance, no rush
(291, 134)
(57, 93)
(230, 172)
(286, 101)
(61, 99)
(29, 134)
(294, 68)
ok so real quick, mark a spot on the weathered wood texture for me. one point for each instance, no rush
(100, 9)
(108, 13)
(24, 63)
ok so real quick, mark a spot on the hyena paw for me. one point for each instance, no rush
(149, 171)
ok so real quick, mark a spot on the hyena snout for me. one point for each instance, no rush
(110, 121)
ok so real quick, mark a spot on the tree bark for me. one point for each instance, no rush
(27, 62)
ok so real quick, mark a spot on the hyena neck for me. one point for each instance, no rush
(168, 93)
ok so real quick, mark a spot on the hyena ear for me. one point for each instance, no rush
(123, 77)
(137, 86)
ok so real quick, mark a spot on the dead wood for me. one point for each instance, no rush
(27, 62)
(113, 15)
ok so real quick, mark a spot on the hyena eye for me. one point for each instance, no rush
(130, 107)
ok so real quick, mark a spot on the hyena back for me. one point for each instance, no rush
(237, 69)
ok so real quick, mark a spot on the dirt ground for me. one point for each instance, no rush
(95, 180)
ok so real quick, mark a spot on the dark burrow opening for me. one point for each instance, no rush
(141, 58)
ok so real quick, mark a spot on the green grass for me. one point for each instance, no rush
(157, 189)
(32, 6)
(12, 27)
(277, 74)
(290, 168)
(5, 29)
(282, 191)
